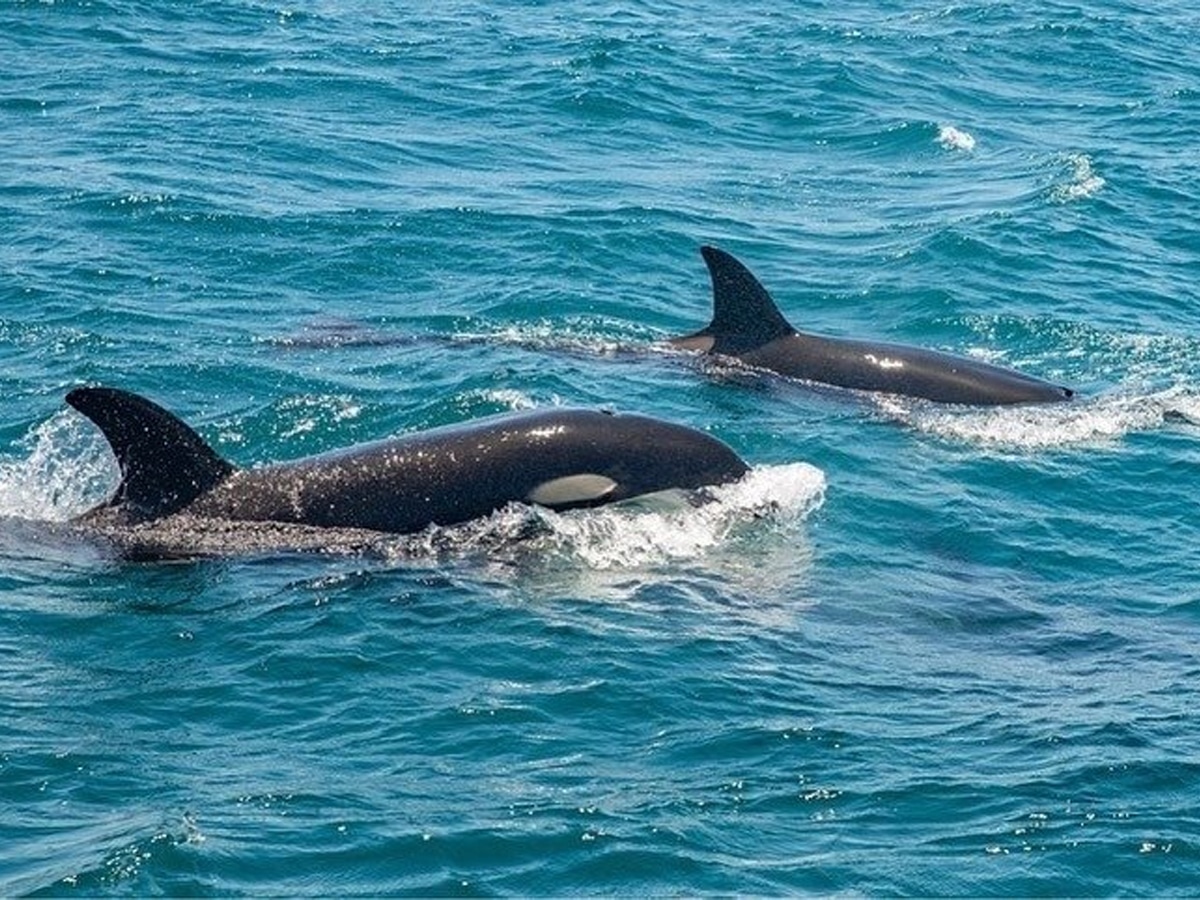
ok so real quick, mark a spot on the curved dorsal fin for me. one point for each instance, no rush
(744, 314)
(164, 464)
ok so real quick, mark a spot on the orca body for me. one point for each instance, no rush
(748, 326)
(558, 458)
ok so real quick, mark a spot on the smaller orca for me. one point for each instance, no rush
(748, 326)
(558, 458)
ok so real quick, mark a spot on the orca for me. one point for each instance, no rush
(748, 326)
(559, 458)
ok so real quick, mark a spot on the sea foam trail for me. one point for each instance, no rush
(1079, 423)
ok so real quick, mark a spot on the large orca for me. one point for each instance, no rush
(558, 458)
(748, 326)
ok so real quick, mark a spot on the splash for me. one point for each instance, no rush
(1081, 423)
(637, 535)
(659, 529)
(1084, 182)
(67, 470)
(952, 138)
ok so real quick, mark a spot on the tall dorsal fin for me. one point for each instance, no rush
(164, 464)
(744, 315)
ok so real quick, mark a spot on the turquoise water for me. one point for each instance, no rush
(921, 650)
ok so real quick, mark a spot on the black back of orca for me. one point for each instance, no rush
(748, 326)
(559, 458)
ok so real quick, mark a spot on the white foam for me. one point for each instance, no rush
(592, 338)
(642, 534)
(68, 469)
(1091, 421)
(1083, 183)
(952, 138)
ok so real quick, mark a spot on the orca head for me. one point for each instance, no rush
(629, 455)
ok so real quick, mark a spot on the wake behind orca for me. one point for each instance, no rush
(558, 458)
(748, 326)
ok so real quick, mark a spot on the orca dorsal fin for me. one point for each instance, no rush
(744, 314)
(164, 464)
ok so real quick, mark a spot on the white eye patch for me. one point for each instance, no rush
(582, 488)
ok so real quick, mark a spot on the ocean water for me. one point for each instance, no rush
(920, 650)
